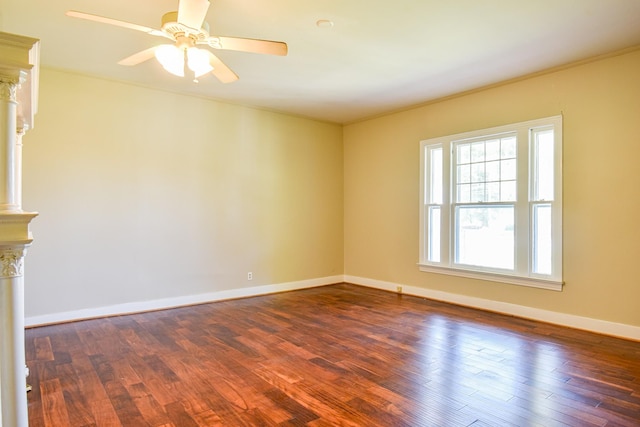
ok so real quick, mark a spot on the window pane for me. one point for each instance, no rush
(477, 152)
(493, 192)
(464, 174)
(477, 172)
(477, 193)
(436, 175)
(492, 150)
(508, 147)
(485, 236)
(543, 164)
(542, 239)
(464, 153)
(464, 193)
(508, 169)
(492, 171)
(434, 234)
(508, 191)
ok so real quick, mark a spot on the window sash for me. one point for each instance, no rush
(481, 222)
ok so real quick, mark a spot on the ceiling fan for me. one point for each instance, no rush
(187, 29)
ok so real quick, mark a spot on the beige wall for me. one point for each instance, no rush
(600, 102)
(146, 195)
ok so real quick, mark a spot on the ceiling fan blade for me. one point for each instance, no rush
(192, 13)
(102, 19)
(138, 58)
(220, 70)
(266, 47)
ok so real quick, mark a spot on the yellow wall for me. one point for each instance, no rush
(600, 102)
(146, 195)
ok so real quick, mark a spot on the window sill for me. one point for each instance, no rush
(494, 277)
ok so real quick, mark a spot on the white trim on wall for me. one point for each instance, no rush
(585, 323)
(166, 303)
(620, 330)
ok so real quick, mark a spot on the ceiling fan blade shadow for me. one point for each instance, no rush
(117, 23)
(192, 12)
(220, 70)
(267, 47)
(138, 58)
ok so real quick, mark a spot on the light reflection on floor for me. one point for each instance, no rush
(469, 363)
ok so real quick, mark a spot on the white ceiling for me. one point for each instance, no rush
(379, 56)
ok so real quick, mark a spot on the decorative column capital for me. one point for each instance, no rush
(9, 88)
(11, 261)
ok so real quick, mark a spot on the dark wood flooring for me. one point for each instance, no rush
(338, 355)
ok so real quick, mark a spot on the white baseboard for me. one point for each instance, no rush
(578, 322)
(160, 304)
(585, 323)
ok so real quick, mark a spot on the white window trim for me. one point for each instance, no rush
(446, 266)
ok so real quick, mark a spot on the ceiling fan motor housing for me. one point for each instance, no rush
(172, 27)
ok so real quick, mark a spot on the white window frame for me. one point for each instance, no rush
(525, 204)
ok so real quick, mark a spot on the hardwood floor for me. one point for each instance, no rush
(339, 355)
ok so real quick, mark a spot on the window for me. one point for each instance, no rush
(491, 204)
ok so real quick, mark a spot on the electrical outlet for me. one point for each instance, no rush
(249, 276)
(399, 289)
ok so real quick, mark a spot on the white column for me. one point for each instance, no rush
(17, 165)
(13, 386)
(8, 127)
(19, 69)
(15, 237)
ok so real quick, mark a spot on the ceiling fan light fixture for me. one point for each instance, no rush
(198, 61)
(172, 59)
